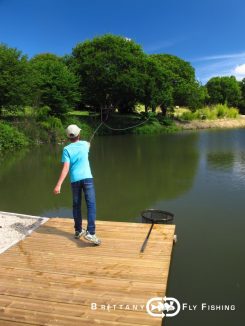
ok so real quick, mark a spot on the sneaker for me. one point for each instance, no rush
(78, 234)
(92, 238)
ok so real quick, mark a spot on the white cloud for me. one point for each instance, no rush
(220, 56)
(158, 46)
(161, 45)
(240, 70)
(220, 65)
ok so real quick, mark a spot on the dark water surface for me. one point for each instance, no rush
(199, 176)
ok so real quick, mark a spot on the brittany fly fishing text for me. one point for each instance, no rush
(208, 307)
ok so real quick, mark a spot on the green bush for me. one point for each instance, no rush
(51, 123)
(29, 111)
(208, 113)
(218, 111)
(54, 128)
(233, 113)
(187, 116)
(154, 128)
(11, 138)
(150, 116)
(165, 121)
(42, 113)
(30, 127)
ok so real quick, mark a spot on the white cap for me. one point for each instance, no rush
(72, 131)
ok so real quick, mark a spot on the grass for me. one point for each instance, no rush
(78, 113)
(179, 111)
(218, 111)
(155, 128)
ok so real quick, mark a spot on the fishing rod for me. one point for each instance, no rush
(102, 123)
(98, 127)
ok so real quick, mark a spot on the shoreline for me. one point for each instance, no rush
(212, 124)
(153, 128)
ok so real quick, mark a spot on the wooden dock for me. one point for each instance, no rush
(50, 278)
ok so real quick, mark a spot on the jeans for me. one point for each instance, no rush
(87, 186)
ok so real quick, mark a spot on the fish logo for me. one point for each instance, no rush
(160, 307)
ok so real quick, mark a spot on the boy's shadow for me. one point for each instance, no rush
(47, 229)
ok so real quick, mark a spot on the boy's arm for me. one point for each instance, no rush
(62, 177)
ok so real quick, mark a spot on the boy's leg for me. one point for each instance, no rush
(89, 193)
(76, 204)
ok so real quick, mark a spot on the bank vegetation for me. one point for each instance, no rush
(109, 78)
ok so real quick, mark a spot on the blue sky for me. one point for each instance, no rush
(207, 33)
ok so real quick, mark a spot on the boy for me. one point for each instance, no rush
(75, 160)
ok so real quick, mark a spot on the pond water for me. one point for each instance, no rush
(199, 176)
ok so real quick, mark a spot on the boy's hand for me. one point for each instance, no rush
(57, 190)
(62, 177)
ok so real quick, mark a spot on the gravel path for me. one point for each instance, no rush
(15, 227)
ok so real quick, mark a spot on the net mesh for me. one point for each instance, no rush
(157, 216)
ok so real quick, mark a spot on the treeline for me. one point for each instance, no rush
(108, 72)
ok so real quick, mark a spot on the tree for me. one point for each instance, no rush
(15, 78)
(196, 95)
(224, 90)
(242, 100)
(109, 70)
(156, 90)
(55, 85)
(180, 82)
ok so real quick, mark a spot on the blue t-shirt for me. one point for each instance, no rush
(77, 155)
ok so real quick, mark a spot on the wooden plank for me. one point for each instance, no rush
(79, 297)
(84, 280)
(51, 278)
(40, 318)
(113, 270)
(85, 258)
(105, 262)
(155, 248)
(68, 221)
(137, 316)
(11, 323)
(132, 254)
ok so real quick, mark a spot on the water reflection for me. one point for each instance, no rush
(210, 227)
(9, 160)
(26, 181)
(131, 173)
(220, 160)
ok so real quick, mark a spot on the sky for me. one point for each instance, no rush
(209, 34)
